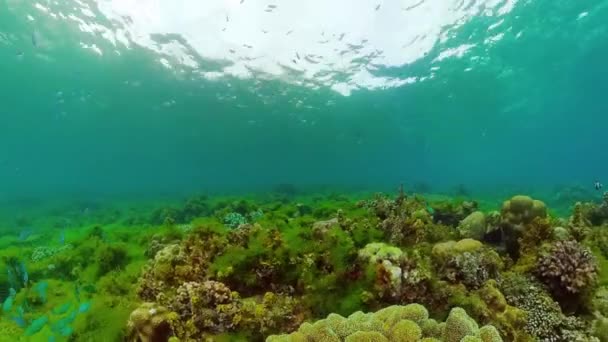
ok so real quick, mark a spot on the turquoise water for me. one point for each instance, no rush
(116, 115)
(521, 106)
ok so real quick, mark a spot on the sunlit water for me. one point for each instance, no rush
(172, 96)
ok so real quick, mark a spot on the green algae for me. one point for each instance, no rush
(316, 254)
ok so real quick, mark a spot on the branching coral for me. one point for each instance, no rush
(209, 306)
(394, 323)
(568, 268)
(545, 320)
(467, 262)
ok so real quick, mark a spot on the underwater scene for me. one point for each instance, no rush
(318, 170)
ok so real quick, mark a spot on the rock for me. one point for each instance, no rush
(473, 226)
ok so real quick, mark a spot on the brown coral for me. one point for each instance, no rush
(149, 323)
(517, 214)
(210, 306)
(568, 268)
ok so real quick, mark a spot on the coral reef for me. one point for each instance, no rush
(238, 269)
(473, 226)
(517, 213)
(567, 268)
(467, 262)
(394, 323)
(149, 323)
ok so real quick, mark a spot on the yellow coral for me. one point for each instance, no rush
(467, 245)
(408, 323)
(395, 313)
(406, 331)
(366, 336)
(471, 339)
(430, 328)
(489, 334)
(459, 325)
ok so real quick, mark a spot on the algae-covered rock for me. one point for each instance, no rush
(473, 226)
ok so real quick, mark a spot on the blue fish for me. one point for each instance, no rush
(36, 325)
(62, 237)
(8, 302)
(24, 274)
(84, 307)
(41, 289)
(24, 234)
(19, 320)
(60, 310)
(66, 331)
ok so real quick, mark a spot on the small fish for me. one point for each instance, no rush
(24, 234)
(377, 7)
(242, 1)
(598, 185)
(298, 55)
(60, 310)
(19, 320)
(66, 331)
(84, 307)
(8, 303)
(36, 326)
(34, 39)
(62, 237)
(24, 274)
